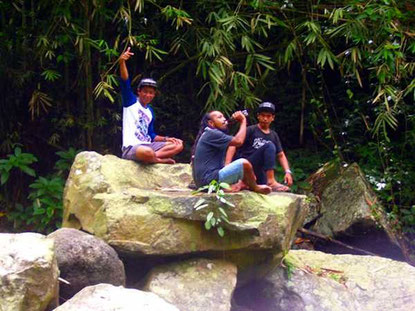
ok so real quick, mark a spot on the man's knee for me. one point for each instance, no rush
(144, 153)
(246, 164)
(180, 146)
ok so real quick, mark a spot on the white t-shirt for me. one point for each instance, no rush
(135, 124)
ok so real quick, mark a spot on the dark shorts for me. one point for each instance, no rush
(129, 151)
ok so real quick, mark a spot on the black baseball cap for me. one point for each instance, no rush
(266, 107)
(147, 82)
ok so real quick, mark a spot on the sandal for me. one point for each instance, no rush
(280, 188)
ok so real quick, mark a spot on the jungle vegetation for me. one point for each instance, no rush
(340, 71)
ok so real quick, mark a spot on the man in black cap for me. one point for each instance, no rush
(261, 147)
(139, 141)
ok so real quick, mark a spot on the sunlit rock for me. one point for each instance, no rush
(28, 272)
(148, 210)
(106, 297)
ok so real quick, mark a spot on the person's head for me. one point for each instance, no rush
(266, 114)
(217, 120)
(146, 91)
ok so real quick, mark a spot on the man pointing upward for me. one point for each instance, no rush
(139, 141)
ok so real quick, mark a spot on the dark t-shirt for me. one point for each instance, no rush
(210, 156)
(255, 138)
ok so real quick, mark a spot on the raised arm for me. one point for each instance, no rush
(123, 66)
(239, 138)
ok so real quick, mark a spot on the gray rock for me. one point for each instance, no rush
(106, 297)
(28, 272)
(85, 260)
(349, 210)
(195, 285)
(130, 208)
(323, 282)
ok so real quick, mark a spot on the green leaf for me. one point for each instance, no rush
(49, 211)
(28, 171)
(4, 177)
(213, 221)
(50, 75)
(203, 188)
(208, 225)
(222, 211)
(221, 232)
(212, 188)
(39, 211)
(201, 206)
(199, 202)
(17, 151)
(224, 185)
(209, 216)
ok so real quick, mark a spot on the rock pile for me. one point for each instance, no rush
(141, 219)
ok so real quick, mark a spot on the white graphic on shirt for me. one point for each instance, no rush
(259, 142)
(142, 124)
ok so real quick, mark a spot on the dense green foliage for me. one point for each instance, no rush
(341, 73)
(42, 210)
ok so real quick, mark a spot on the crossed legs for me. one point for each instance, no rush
(163, 155)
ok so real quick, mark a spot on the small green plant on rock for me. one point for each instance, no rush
(217, 214)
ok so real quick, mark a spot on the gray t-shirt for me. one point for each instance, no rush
(210, 156)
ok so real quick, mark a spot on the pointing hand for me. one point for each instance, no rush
(126, 55)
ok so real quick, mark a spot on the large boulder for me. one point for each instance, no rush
(196, 284)
(85, 260)
(349, 210)
(148, 210)
(28, 272)
(106, 297)
(316, 281)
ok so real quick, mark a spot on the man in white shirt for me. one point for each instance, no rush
(140, 142)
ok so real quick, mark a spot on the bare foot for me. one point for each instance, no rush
(264, 189)
(166, 161)
(277, 187)
(239, 186)
(233, 188)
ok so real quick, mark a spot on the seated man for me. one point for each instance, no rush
(261, 147)
(209, 154)
(139, 140)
